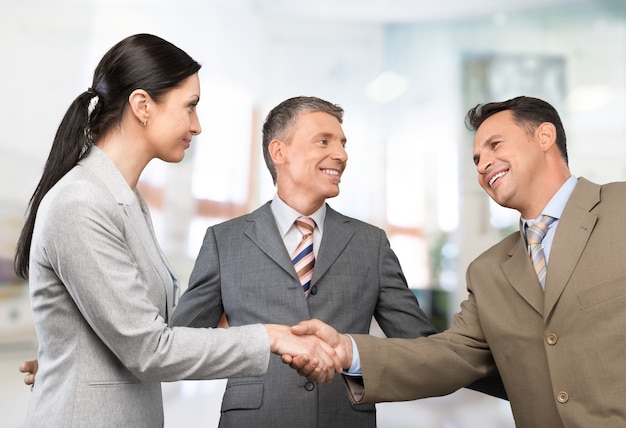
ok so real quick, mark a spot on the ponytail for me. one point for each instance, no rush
(71, 142)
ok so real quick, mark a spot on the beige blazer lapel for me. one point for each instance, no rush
(573, 231)
(519, 271)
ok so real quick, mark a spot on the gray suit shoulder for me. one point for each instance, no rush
(354, 222)
(237, 223)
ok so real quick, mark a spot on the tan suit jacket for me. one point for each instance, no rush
(561, 354)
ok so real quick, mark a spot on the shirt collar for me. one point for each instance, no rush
(557, 204)
(285, 216)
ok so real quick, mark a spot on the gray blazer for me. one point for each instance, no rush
(101, 292)
(244, 271)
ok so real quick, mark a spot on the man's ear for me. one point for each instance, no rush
(277, 151)
(139, 102)
(546, 133)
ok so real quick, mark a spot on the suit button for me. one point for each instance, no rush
(313, 290)
(309, 386)
(562, 397)
(551, 339)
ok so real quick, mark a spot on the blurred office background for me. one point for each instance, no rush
(405, 71)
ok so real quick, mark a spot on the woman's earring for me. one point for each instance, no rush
(144, 123)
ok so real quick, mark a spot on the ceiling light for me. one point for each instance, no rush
(387, 87)
(587, 98)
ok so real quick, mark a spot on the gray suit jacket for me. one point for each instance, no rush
(244, 271)
(101, 292)
(560, 352)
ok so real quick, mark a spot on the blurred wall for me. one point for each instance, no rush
(413, 147)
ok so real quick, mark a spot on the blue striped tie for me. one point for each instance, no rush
(534, 236)
(303, 258)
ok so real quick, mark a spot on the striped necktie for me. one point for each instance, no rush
(303, 258)
(534, 236)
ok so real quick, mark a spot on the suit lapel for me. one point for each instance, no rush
(157, 257)
(141, 225)
(519, 271)
(572, 234)
(336, 236)
(263, 231)
(137, 214)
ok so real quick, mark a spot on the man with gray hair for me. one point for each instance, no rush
(294, 259)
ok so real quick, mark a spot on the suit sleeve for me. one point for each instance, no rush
(399, 315)
(397, 310)
(85, 242)
(408, 369)
(201, 304)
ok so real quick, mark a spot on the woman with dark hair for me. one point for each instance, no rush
(101, 289)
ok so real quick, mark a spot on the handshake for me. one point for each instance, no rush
(315, 349)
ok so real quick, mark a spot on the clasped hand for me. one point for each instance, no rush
(338, 348)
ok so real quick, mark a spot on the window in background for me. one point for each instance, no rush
(405, 207)
(446, 176)
(221, 171)
(412, 251)
(222, 166)
(405, 187)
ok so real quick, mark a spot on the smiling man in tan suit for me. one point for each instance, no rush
(560, 347)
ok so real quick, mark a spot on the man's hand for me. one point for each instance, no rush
(319, 357)
(341, 344)
(30, 368)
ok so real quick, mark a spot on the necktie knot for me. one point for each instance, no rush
(536, 232)
(305, 225)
